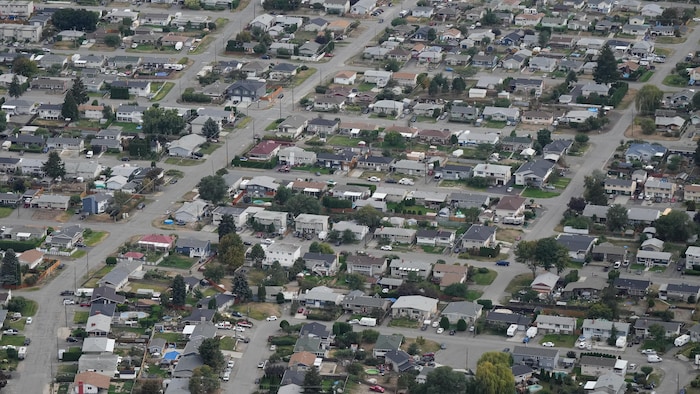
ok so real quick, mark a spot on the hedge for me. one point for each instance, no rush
(330, 202)
(71, 356)
(265, 165)
(19, 246)
(283, 341)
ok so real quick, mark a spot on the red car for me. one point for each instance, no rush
(85, 304)
(378, 389)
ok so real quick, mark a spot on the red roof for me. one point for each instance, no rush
(157, 239)
(265, 148)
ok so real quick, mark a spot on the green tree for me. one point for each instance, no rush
(54, 167)
(444, 380)
(544, 137)
(179, 291)
(302, 203)
(192, 4)
(456, 290)
(211, 354)
(226, 226)
(355, 281)
(280, 298)
(606, 69)
(282, 195)
(157, 120)
(79, 91)
(458, 85)
(24, 66)
(394, 139)
(461, 325)
(231, 251)
(445, 323)
(368, 216)
(696, 101)
(257, 253)
(241, 288)
(616, 218)
(15, 89)
(298, 267)
(549, 253)
(594, 192)
(648, 99)
(262, 294)
(599, 311)
(657, 332)
(10, 271)
(212, 188)
(392, 65)
(150, 386)
(493, 373)
(432, 34)
(112, 40)
(525, 253)
(210, 129)
(75, 19)
(312, 382)
(204, 380)
(214, 272)
(69, 109)
(673, 227)
(348, 236)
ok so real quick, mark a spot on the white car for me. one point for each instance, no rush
(582, 345)
(386, 247)
(440, 330)
(648, 351)
(230, 364)
(548, 344)
(268, 241)
(436, 324)
(653, 358)
(68, 302)
(239, 329)
(374, 179)
(406, 181)
(29, 320)
(273, 348)
(271, 318)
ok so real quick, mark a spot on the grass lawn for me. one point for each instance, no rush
(494, 124)
(103, 271)
(562, 183)
(127, 127)
(154, 369)
(404, 323)
(519, 282)
(14, 340)
(5, 212)
(258, 310)
(670, 40)
(485, 279)
(176, 261)
(81, 317)
(433, 249)
(227, 343)
(426, 346)
(366, 87)
(302, 76)
(646, 76)
(30, 308)
(536, 193)
(167, 87)
(78, 254)
(473, 295)
(122, 387)
(657, 268)
(17, 324)
(177, 161)
(169, 336)
(95, 237)
(637, 267)
(561, 340)
(675, 80)
(210, 291)
(342, 140)
(208, 148)
(314, 169)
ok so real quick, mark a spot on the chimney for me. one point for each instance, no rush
(81, 389)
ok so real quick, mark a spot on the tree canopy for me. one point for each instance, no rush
(75, 19)
(241, 288)
(493, 373)
(212, 188)
(179, 291)
(210, 129)
(648, 99)
(606, 70)
(674, 226)
(54, 166)
(157, 120)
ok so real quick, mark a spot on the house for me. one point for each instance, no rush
(516, 143)
(608, 252)
(98, 345)
(456, 171)
(130, 113)
(106, 295)
(435, 237)
(285, 254)
(96, 203)
(650, 258)
(529, 85)
(578, 246)
(193, 247)
(359, 304)
(510, 206)
(528, 19)
(282, 71)
(681, 292)
(485, 61)
(274, 219)
(521, 373)
(223, 302)
(631, 287)
(619, 186)
(585, 288)
(536, 357)
(302, 361)
(503, 320)
(345, 78)
(545, 283)
(103, 364)
(312, 224)
(396, 235)
(644, 152)
(409, 167)
(599, 365)
(468, 311)
(10, 199)
(191, 212)
(91, 382)
(365, 265)
(50, 111)
(672, 329)
(387, 343)
(316, 24)
(328, 103)
(610, 383)
(292, 127)
(157, 242)
(98, 325)
(389, 107)
(534, 173)
(601, 329)
(501, 114)
(66, 238)
(321, 297)
(398, 360)
(293, 155)
(692, 257)
(375, 163)
(659, 188)
(264, 151)
(399, 268)
(31, 258)
(497, 174)
(479, 236)
(414, 307)
(542, 64)
(537, 118)
(118, 277)
(462, 113)
(135, 87)
(404, 79)
(246, 91)
(556, 324)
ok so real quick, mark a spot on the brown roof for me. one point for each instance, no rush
(264, 148)
(510, 203)
(313, 185)
(358, 125)
(345, 74)
(30, 255)
(456, 269)
(93, 378)
(402, 75)
(692, 188)
(303, 358)
(451, 278)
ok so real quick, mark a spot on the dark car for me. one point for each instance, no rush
(503, 263)
(72, 339)
(266, 57)
(198, 154)
(414, 118)
(365, 110)
(247, 243)
(27, 341)
(453, 332)
(390, 180)
(125, 159)
(424, 327)
(237, 314)
(66, 293)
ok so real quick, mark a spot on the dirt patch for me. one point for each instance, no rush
(189, 196)
(635, 132)
(63, 217)
(259, 310)
(509, 234)
(425, 345)
(46, 215)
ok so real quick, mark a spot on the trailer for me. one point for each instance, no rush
(531, 332)
(22, 353)
(512, 330)
(368, 322)
(682, 340)
(621, 342)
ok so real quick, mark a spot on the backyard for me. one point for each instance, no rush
(178, 261)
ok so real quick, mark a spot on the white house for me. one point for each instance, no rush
(500, 174)
(284, 253)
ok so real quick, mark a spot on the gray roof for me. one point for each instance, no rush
(478, 232)
(630, 283)
(391, 342)
(191, 243)
(315, 329)
(464, 308)
(600, 211)
(575, 242)
(366, 301)
(520, 369)
(510, 318)
(540, 167)
(557, 146)
(643, 214)
(644, 323)
(599, 361)
(535, 351)
(618, 182)
(682, 288)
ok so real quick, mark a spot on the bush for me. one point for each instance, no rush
(483, 270)
(487, 304)
(283, 341)
(111, 260)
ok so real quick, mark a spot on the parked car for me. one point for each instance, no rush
(503, 263)
(271, 318)
(376, 389)
(10, 331)
(72, 339)
(548, 344)
(68, 302)
(386, 247)
(374, 179)
(29, 320)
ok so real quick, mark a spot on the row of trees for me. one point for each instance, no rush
(546, 253)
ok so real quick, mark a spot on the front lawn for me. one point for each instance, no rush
(484, 279)
(258, 310)
(433, 249)
(95, 237)
(646, 76)
(5, 212)
(342, 140)
(473, 295)
(562, 182)
(519, 282)
(14, 340)
(180, 161)
(171, 337)
(81, 317)
(494, 124)
(675, 80)
(164, 90)
(227, 343)
(177, 261)
(208, 148)
(537, 193)
(426, 346)
(560, 340)
(404, 323)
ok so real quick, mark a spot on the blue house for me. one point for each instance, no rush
(96, 203)
(193, 247)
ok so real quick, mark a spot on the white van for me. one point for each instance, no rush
(227, 376)
(89, 154)
(653, 358)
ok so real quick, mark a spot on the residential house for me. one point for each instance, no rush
(601, 329)
(283, 71)
(135, 87)
(328, 103)
(485, 61)
(479, 236)
(644, 152)
(409, 167)
(359, 304)
(389, 107)
(537, 118)
(375, 163)
(536, 357)
(469, 311)
(400, 268)
(96, 203)
(387, 343)
(608, 252)
(414, 307)
(359, 231)
(157, 242)
(659, 188)
(435, 237)
(264, 151)
(542, 64)
(516, 144)
(498, 174)
(692, 257)
(455, 171)
(246, 91)
(277, 220)
(650, 258)
(130, 113)
(461, 113)
(193, 247)
(313, 224)
(103, 364)
(398, 360)
(510, 206)
(396, 235)
(104, 295)
(556, 324)
(345, 78)
(321, 297)
(545, 283)
(292, 127)
(501, 114)
(285, 254)
(528, 19)
(618, 186)
(322, 126)
(98, 325)
(10, 199)
(529, 85)
(599, 365)
(534, 173)
(119, 276)
(366, 265)
(672, 329)
(503, 320)
(586, 288)
(578, 246)
(631, 287)
(681, 291)
(66, 238)
(50, 111)
(609, 383)
(302, 361)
